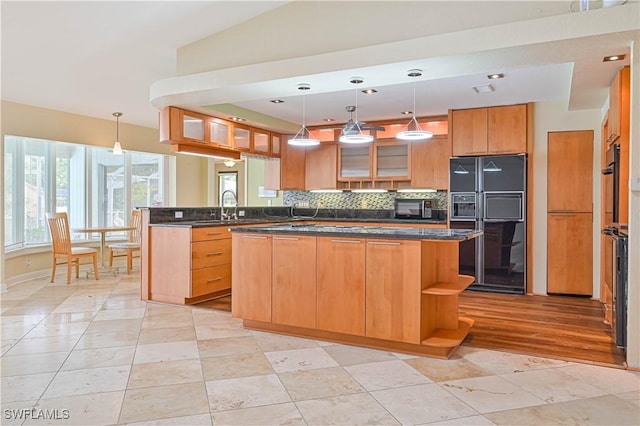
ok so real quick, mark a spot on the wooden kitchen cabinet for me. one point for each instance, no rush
(430, 163)
(292, 167)
(570, 253)
(293, 283)
(242, 138)
(490, 131)
(618, 104)
(570, 171)
(251, 281)
(341, 285)
(469, 132)
(354, 162)
(321, 163)
(391, 161)
(190, 264)
(261, 142)
(393, 286)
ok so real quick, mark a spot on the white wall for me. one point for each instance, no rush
(551, 117)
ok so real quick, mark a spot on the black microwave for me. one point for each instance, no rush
(413, 208)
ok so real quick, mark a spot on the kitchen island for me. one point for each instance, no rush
(383, 287)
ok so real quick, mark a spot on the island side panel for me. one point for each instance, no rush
(393, 287)
(251, 276)
(145, 258)
(341, 284)
(170, 264)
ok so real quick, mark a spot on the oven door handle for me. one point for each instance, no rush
(610, 230)
(608, 171)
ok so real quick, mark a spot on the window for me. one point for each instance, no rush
(95, 187)
(227, 183)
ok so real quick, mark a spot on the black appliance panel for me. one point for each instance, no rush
(467, 250)
(504, 206)
(504, 173)
(462, 174)
(612, 185)
(464, 206)
(504, 257)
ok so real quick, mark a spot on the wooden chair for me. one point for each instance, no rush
(131, 247)
(62, 249)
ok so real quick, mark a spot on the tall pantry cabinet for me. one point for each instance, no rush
(570, 213)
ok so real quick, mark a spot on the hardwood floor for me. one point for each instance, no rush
(568, 328)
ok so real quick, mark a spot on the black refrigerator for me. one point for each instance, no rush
(489, 193)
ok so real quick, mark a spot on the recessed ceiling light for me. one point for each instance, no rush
(406, 112)
(485, 88)
(369, 91)
(277, 101)
(329, 120)
(237, 119)
(613, 58)
(495, 76)
(356, 80)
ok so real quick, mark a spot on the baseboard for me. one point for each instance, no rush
(29, 276)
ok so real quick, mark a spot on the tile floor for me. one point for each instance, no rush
(92, 353)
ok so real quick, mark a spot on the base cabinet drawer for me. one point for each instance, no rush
(209, 280)
(213, 233)
(210, 253)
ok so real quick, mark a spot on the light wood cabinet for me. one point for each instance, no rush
(469, 132)
(251, 280)
(275, 145)
(570, 253)
(293, 285)
(570, 171)
(392, 289)
(430, 163)
(490, 131)
(354, 162)
(321, 164)
(261, 142)
(292, 167)
(190, 265)
(341, 285)
(569, 212)
(242, 138)
(615, 89)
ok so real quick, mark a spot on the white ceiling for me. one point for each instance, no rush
(94, 58)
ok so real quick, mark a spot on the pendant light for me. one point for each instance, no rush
(303, 137)
(354, 133)
(412, 131)
(117, 149)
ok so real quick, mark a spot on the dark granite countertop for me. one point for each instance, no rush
(253, 221)
(363, 231)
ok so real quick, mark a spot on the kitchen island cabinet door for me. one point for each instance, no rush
(570, 253)
(393, 290)
(294, 281)
(341, 285)
(251, 278)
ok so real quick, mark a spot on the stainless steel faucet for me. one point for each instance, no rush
(226, 216)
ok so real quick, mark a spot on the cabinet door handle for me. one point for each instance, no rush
(255, 237)
(499, 151)
(210, 280)
(214, 253)
(214, 233)
(346, 241)
(286, 238)
(380, 243)
(476, 152)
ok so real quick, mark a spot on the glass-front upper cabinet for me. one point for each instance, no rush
(241, 138)
(275, 145)
(355, 162)
(261, 141)
(391, 160)
(193, 127)
(219, 132)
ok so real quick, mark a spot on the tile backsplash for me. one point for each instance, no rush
(352, 200)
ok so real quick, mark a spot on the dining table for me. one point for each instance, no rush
(103, 231)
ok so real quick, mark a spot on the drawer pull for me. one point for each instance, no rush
(379, 243)
(346, 241)
(214, 253)
(210, 280)
(286, 238)
(214, 233)
(255, 237)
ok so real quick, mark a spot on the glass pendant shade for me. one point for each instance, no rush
(117, 148)
(303, 137)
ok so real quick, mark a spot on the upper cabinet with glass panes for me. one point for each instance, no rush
(182, 127)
